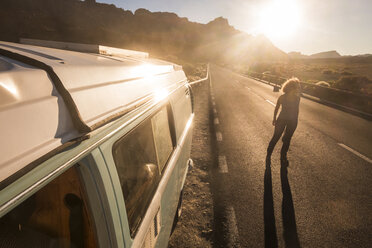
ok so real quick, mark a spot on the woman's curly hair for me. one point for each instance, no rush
(291, 84)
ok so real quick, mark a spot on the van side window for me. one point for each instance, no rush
(55, 216)
(162, 137)
(140, 157)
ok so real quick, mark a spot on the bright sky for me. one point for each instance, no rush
(307, 26)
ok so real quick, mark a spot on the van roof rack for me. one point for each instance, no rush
(86, 48)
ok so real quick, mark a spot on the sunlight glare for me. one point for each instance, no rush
(11, 88)
(279, 19)
(160, 94)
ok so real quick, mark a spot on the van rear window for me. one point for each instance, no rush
(140, 158)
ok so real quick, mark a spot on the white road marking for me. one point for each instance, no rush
(213, 103)
(254, 93)
(356, 153)
(219, 136)
(233, 233)
(215, 111)
(247, 88)
(222, 165)
(216, 121)
(270, 102)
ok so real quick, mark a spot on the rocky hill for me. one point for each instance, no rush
(326, 55)
(161, 34)
(321, 55)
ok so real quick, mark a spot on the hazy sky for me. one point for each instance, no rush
(308, 26)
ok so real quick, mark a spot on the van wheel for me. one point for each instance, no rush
(178, 213)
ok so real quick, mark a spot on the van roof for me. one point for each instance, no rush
(49, 96)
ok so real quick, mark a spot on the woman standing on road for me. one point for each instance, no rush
(288, 116)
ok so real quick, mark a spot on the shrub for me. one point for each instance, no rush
(311, 81)
(194, 71)
(323, 83)
(346, 73)
(327, 72)
(353, 83)
(367, 89)
(189, 69)
(311, 69)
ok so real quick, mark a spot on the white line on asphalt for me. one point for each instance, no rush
(219, 136)
(355, 152)
(233, 233)
(215, 110)
(270, 102)
(254, 93)
(213, 103)
(216, 121)
(222, 165)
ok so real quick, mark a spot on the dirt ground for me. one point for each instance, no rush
(195, 227)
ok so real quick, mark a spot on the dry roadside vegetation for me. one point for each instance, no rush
(194, 71)
(346, 73)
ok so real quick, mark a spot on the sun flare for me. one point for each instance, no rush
(279, 19)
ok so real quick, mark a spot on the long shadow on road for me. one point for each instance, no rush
(288, 212)
(271, 239)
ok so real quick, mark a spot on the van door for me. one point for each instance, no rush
(183, 113)
(145, 177)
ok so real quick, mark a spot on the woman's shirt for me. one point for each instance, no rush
(290, 106)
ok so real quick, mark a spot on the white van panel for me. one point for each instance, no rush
(181, 105)
(30, 117)
(92, 90)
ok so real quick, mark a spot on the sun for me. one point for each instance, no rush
(279, 19)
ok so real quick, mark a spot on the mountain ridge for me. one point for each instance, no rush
(162, 34)
(333, 54)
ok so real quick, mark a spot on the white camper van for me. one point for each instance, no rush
(95, 146)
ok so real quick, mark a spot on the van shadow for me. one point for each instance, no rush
(271, 239)
(288, 213)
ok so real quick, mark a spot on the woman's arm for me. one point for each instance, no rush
(278, 103)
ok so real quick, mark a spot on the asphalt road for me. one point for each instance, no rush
(322, 199)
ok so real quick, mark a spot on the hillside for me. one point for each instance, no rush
(321, 55)
(326, 55)
(162, 34)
